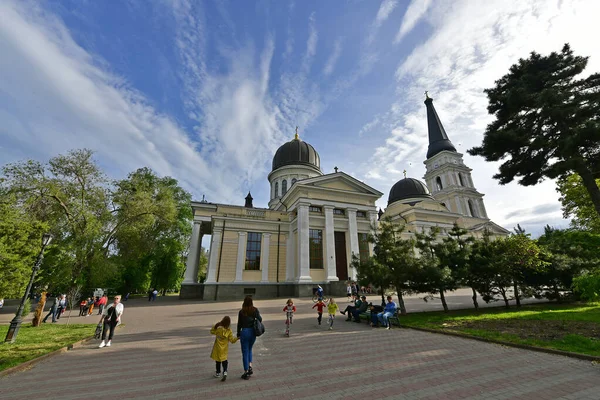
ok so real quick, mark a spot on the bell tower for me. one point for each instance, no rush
(447, 177)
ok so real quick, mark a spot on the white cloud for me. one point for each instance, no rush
(470, 47)
(335, 54)
(385, 9)
(55, 95)
(311, 43)
(415, 11)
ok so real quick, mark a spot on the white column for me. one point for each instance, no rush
(482, 209)
(458, 205)
(241, 257)
(303, 243)
(353, 231)
(191, 268)
(214, 254)
(330, 245)
(264, 257)
(374, 225)
(290, 259)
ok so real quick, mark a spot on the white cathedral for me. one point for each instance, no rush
(316, 222)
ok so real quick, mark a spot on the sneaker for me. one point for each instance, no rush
(224, 376)
(245, 376)
(342, 312)
(218, 375)
(250, 371)
(319, 322)
(388, 327)
(331, 328)
(102, 345)
(108, 344)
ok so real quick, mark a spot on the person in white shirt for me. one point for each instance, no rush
(111, 317)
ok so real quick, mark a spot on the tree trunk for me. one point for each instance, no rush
(382, 298)
(37, 317)
(474, 297)
(503, 293)
(443, 298)
(401, 302)
(517, 299)
(590, 185)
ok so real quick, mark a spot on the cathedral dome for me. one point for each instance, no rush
(408, 188)
(296, 152)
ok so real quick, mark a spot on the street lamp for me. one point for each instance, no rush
(15, 324)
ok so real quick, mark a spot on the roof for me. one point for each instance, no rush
(438, 139)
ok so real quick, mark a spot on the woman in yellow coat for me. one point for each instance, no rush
(221, 346)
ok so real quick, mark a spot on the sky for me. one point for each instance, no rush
(206, 91)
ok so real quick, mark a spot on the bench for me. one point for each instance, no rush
(394, 319)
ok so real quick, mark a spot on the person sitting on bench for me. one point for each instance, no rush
(374, 311)
(361, 308)
(350, 309)
(388, 311)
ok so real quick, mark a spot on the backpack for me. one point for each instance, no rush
(259, 327)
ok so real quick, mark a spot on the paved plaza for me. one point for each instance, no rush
(163, 352)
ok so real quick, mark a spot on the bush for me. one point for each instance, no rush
(587, 286)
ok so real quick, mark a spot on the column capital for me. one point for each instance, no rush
(351, 209)
(242, 233)
(266, 235)
(303, 204)
(328, 207)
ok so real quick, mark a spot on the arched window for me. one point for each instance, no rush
(293, 181)
(276, 189)
(460, 179)
(471, 209)
(438, 183)
(444, 204)
(283, 187)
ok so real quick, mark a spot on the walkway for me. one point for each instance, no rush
(163, 353)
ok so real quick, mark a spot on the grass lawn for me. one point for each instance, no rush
(34, 342)
(571, 327)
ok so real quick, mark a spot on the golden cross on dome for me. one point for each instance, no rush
(426, 94)
(296, 136)
(404, 172)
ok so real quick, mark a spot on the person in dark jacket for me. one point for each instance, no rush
(360, 309)
(245, 331)
(52, 310)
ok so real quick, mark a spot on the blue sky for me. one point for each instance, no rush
(205, 91)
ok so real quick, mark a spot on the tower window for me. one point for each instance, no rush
(438, 183)
(293, 181)
(283, 187)
(460, 179)
(276, 189)
(471, 209)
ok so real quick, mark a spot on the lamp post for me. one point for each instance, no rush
(15, 324)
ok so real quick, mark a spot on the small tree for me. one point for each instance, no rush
(457, 251)
(487, 274)
(435, 275)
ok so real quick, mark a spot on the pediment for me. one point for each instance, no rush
(490, 226)
(340, 182)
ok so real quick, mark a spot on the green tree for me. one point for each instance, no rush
(546, 122)
(203, 267)
(456, 252)
(20, 243)
(517, 254)
(435, 274)
(577, 203)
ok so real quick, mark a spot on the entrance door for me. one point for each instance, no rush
(341, 261)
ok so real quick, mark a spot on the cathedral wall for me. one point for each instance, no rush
(273, 258)
(228, 256)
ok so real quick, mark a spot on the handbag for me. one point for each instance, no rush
(259, 327)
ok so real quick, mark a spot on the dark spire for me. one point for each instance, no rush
(438, 140)
(249, 201)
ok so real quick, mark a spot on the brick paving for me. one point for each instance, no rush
(163, 352)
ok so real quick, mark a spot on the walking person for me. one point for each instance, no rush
(332, 307)
(246, 333)
(349, 291)
(320, 306)
(110, 319)
(52, 310)
(220, 350)
(102, 304)
(62, 306)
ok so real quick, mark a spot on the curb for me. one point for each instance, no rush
(28, 364)
(510, 344)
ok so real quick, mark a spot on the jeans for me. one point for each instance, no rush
(51, 312)
(108, 326)
(247, 339)
(383, 317)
